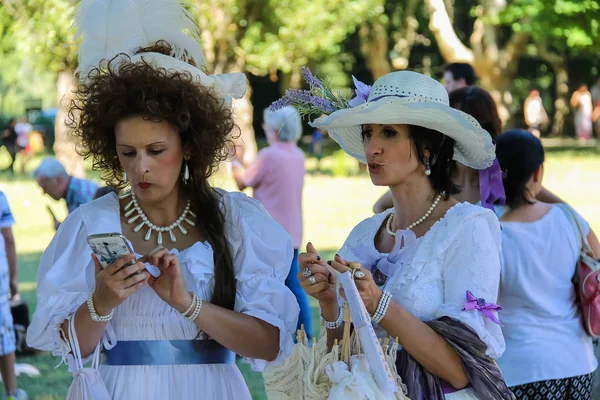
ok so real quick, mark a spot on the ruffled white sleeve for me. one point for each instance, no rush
(263, 255)
(472, 263)
(65, 279)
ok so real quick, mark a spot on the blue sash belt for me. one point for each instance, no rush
(168, 352)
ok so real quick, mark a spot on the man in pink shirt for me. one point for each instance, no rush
(277, 177)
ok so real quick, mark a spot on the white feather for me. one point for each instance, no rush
(106, 28)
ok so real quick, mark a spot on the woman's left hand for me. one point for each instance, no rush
(368, 290)
(170, 285)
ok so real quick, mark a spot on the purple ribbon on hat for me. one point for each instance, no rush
(362, 93)
(479, 304)
(491, 188)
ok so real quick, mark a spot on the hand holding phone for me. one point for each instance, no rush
(118, 273)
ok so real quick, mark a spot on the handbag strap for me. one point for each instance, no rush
(573, 217)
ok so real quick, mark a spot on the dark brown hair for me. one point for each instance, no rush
(520, 154)
(441, 150)
(122, 89)
(478, 103)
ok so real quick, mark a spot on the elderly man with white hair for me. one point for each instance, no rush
(277, 177)
(56, 183)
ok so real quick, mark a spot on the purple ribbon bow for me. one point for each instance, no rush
(479, 304)
(362, 93)
(491, 188)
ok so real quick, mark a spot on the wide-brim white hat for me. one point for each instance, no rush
(410, 98)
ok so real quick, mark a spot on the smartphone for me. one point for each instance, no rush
(109, 247)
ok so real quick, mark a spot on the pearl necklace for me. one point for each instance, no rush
(388, 225)
(133, 206)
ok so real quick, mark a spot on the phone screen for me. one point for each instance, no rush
(108, 248)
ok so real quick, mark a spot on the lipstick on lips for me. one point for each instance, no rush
(144, 185)
(375, 168)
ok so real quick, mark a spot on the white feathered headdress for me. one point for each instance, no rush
(107, 28)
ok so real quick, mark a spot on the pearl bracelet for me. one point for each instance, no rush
(337, 323)
(94, 314)
(196, 305)
(382, 307)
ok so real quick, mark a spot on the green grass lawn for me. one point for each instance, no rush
(332, 206)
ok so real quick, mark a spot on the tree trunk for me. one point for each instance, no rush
(64, 143)
(495, 67)
(498, 85)
(561, 84)
(374, 47)
(561, 104)
(243, 112)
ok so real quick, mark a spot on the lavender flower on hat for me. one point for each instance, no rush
(362, 93)
(313, 81)
(316, 101)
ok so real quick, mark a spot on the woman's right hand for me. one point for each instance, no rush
(324, 287)
(115, 283)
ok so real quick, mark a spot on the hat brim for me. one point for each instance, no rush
(225, 86)
(473, 145)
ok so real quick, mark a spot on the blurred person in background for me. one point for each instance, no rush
(23, 129)
(458, 76)
(9, 137)
(52, 177)
(534, 112)
(8, 291)
(317, 146)
(581, 102)
(548, 353)
(277, 177)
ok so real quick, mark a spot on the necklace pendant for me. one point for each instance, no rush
(129, 205)
(173, 238)
(189, 221)
(192, 213)
(182, 229)
(160, 241)
(128, 213)
(132, 219)
(125, 194)
(139, 227)
(148, 235)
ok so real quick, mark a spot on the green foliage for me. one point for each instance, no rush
(43, 30)
(564, 24)
(300, 31)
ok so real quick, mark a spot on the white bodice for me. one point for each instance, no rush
(262, 254)
(430, 275)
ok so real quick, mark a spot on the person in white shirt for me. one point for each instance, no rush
(548, 353)
(205, 277)
(534, 112)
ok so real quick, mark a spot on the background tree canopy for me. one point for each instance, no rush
(514, 45)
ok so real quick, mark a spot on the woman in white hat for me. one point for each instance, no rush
(430, 266)
(205, 277)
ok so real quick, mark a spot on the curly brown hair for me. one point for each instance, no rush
(122, 89)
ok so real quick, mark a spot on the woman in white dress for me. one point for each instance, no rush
(428, 263)
(548, 354)
(213, 284)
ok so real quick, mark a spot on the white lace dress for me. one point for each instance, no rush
(430, 275)
(262, 256)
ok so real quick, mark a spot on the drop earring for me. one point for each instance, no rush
(125, 180)
(186, 173)
(427, 168)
